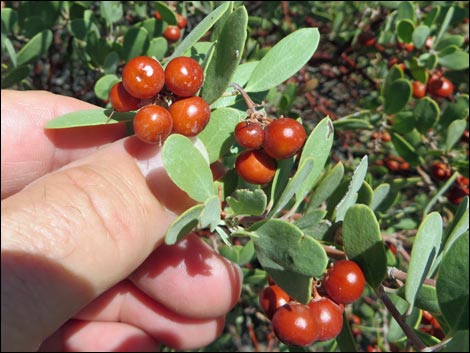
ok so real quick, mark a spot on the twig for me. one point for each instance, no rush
(395, 273)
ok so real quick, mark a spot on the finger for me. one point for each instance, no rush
(126, 303)
(86, 336)
(76, 232)
(189, 278)
(29, 151)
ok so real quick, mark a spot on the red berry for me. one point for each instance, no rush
(367, 39)
(249, 134)
(157, 15)
(419, 89)
(181, 21)
(153, 124)
(272, 298)
(184, 76)
(440, 86)
(255, 166)
(294, 324)
(440, 171)
(329, 316)
(143, 77)
(283, 138)
(190, 115)
(121, 100)
(344, 282)
(172, 33)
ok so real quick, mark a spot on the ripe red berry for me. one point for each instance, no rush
(157, 15)
(329, 316)
(190, 115)
(143, 77)
(440, 86)
(121, 100)
(181, 21)
(440, 171)
(153, 124)
(419, 89)
(172, 33)
(255, 166)
(184, 76)
(272, 298)
(344, 282)
(294, 324)
(283, 138)
(249, 134)
(367, 39)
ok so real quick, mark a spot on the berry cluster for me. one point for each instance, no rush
(321, 319)
(265, 141)
(172, 33)
(166, 97)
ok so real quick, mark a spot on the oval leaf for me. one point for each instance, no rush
(405, 149)
(136, 43)
(454, 132)
(187, 167)
(397, 96)
(36, 47)
(423, 253)
(182, 225)
(248, 202)
(104, 84)
(167, 14)
(452, 285)
(327, 186)
(210, 216)
(158, 47)
(380, 193)
(405, 30)
(426, 114)
(88, 118)
(363, 243)
(284, 59)
(455, 61)
(455, 110)
(420, 34)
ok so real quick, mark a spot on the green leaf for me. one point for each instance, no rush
(281, 178)
(455, 110)
(104, 84)
(345, 339)
(443, 27)
(88, 118)
(6, 42)
(111, 11)
(318, 147)
(187, 167)
(217, 136)
(210, 216)
(405, 149)
(111, 62)
(158, 48)
(248, 202)
(182, 225)
(219, 26)
(284, 59)
(425, 248)
(310, 219)
(406, 11)
(420, 35)
(426, 298)
(395, 333)
(450, 40)
(297, 181)
(136, 43)
(459, 224)
(432, 15)
(15, 76)
(454, 132)
(227, 55)
(35, 48)
(239, 254)
(80, 28)
(439, 193)
(455, 61)
(380, 193)
(405, 29)
(404, 122)
(452, 285)
(426, 114)
(363, 243)
(9, 20)
(200, 30)
(354, 186)
(327, 186)
(458, 343)
(397, 97)
(365, 194)
(167, 14)
(351, 124)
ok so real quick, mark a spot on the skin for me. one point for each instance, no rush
(84, 215)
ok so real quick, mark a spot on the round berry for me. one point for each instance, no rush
(184, 76)
(172, 33)
(143, 77)
(419, 89)
(344, 282)
(294, 324)
(367, 39)
(249, 134)
(121, 100)
(181, 21)
(440, 171)
(255, 166)
(440, 86)
(153, 124)
(329, 316)
(190, 115)
(283, 138)
(157, 15)
(272, 298)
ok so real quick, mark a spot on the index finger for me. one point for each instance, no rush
(29, 151)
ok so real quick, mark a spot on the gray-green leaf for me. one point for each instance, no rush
(182, 225)
(248, 202)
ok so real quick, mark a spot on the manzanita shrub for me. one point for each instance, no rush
(282, 207)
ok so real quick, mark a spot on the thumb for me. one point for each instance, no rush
(74, 233)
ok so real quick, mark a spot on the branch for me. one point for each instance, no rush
(395, 273)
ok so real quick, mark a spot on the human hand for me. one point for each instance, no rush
(84, 214)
